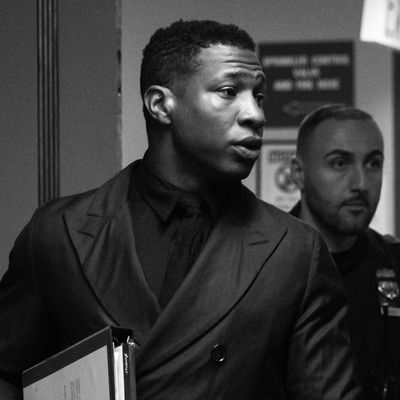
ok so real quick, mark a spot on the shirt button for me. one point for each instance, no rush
(218, 354)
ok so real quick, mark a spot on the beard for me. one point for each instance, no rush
(339, 219)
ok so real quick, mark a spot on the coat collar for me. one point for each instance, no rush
(244, 237)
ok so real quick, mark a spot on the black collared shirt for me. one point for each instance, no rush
(152, 201)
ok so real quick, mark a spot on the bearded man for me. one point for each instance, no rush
(338, 169)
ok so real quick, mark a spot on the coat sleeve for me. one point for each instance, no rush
(24, 323)
(320, 360)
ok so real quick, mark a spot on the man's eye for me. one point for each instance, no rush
(375, 164)
(228, 92)
(260, 97)
(339, 163)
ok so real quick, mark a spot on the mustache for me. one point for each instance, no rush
(360, 199)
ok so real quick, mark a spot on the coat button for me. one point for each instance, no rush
(218, 354)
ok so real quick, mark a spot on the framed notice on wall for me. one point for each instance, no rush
(273, 180)
(302, 76)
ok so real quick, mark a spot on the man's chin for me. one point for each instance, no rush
(240, 172)
(354, 228)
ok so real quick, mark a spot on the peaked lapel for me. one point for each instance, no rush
(237, 250)
(104, 241)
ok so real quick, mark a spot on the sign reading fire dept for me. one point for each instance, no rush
(303, 76)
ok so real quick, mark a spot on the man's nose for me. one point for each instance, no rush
(251, 113)
(359, 178)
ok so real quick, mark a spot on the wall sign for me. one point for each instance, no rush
(274, 182)
(303, 76)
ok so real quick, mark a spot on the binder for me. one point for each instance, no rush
(99, 367)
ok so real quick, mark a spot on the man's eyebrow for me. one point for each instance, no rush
(338, 152)
(375, 153)
(346, 153)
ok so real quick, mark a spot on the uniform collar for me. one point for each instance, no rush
(346, 260)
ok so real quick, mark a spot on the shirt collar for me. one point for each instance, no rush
(295, 211)
(346, 260)
(162, 196)
(157, 193)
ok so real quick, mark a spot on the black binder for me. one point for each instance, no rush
(99, 367)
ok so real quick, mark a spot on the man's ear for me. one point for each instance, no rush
(297, 172)
(159, 102)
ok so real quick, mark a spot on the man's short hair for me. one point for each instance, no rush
(171, 52)
(338, 112)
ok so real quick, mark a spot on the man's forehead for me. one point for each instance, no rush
(230, 56)
(354, 136)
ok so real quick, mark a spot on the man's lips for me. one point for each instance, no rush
(249, 147)
(356, 203)
(250, 142)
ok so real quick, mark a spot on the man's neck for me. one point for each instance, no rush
(339, 243)
(336, 242)
(165, 167)
(214, 193)
(182, 176)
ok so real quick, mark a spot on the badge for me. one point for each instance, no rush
(389, 292)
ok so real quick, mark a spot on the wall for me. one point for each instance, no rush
(89, 104)
(18, 135)
(272, 20)
(89, 74)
